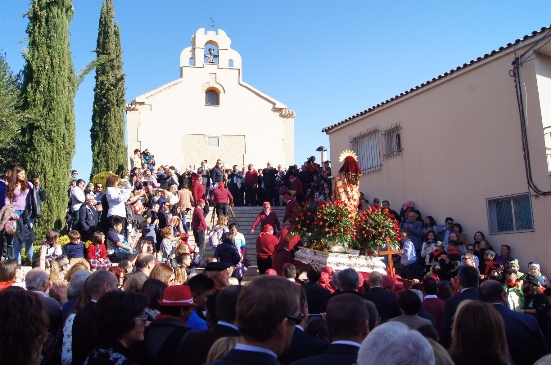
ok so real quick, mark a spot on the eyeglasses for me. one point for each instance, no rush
(297, 319)
(143, 318)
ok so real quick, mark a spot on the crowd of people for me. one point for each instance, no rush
(125, 289)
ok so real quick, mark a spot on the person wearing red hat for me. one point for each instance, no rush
(199, 226)
(265, 246)
(267, 216)
(220, 197)
(290, 205)
(166, 333)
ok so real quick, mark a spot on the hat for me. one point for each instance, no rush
(267, 227)
(221, 184)
(200, 201)
(198, 175)
(513, 262)
(490, 252)
(177, 296)
(271, 272)
(532, 279)
(510, 271)
(536, 264)
(286, 197)
(266, 204)
(216, 266)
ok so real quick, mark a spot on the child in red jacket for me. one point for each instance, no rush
(97, 254)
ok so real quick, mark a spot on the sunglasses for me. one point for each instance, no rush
(143, 318)
(297, 319)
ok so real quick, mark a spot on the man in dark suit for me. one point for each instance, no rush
(198, 343)
(267, 311)
(38, 282)
(386, 302)
(302, 344)
(84, 338)
(88, 218)
(467, 282)
(348, 324)
(524, 338)
(315, 293)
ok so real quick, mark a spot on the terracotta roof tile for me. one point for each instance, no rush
(439, 77)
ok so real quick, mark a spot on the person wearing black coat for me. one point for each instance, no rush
(468, 279)
(226, 252)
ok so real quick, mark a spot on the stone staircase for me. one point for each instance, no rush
(245, 218)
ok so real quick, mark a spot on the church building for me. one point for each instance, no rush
(209, 113)
(473, 144)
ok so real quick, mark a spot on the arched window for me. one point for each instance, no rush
(212, 97)
(191, 62)
(230, 63)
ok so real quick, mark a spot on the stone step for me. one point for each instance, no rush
(245, 218)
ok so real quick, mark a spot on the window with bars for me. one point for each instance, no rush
(366, 146)
(510, 214)
(392, 142)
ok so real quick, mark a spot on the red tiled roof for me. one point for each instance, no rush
(439, 77)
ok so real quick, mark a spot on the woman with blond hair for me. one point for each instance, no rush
(478, 336)
(164, 273)
(221, 347)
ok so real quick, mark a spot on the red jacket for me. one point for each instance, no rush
(296, 185)
(291, 205)
(92, 251)
(265, 245)
(251, 178)
(221, 196)
(198, 219)
(264, 219)
(198, 191)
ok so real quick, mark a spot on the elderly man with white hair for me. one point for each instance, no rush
(394, 343)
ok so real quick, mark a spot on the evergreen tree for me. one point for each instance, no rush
(107, 132)
(49, 87)
(12, 117)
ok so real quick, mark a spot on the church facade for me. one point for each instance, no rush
(209, 113)
(473, 144)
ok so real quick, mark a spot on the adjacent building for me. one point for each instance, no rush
(473, 144)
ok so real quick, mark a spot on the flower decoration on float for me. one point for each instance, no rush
(373, 227)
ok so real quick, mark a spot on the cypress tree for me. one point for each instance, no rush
(107, 132)
(49, 87)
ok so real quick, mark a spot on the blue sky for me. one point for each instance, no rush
(325, 60)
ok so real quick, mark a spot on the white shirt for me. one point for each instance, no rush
(117, 198)
(244, 347)
(77, 198)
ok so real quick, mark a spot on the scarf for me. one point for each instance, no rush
(454, 252)
(438, 251)
(490, 265)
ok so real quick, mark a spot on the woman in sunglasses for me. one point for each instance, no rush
(120, 323)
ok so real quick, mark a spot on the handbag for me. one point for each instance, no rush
(10, 227)
(206, 208)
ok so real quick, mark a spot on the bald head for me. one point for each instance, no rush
(491, 291)
(37, 279)
(375, 278)
(145, 262)
(101, 281)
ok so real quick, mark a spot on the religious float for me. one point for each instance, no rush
(335, 235)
